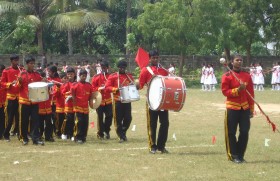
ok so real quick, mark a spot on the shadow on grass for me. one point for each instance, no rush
(263, 161)
(201, 153)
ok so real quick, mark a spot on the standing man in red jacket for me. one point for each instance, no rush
(98, 83)
(152, 116)
(9, 80)
(121, 111)
(239, 109)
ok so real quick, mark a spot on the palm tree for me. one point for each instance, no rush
(72, 18)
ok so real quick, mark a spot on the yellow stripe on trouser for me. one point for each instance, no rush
(149, 126)
(76, 125)
(226, 137)
(19, 122)
(114, 114)
(64, 124)
(6, 116)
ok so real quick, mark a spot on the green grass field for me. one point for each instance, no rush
(192, 156)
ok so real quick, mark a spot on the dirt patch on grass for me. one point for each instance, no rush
(265, 107)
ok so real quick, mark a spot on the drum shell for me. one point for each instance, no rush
(129, 94)
(171, 93)
(38, 91)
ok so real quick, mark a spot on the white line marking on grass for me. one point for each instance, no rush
(106, 149)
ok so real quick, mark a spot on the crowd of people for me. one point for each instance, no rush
(64, 114)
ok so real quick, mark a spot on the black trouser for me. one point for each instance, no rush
(234, 118)
(2, 122)
(81, 126)
(29, 112)
(152, 118)
(122, 118)
(12, 115)
(59, 122)
(46, 126)
(68, 125)
(53, 118)
(103, 125)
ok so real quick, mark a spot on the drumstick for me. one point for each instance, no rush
(223, 61)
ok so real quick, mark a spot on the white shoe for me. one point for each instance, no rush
(64, 137)
(73, 139)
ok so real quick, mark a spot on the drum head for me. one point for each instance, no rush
(38, 84)
(155, 93)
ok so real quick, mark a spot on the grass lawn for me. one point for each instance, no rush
(193, 155)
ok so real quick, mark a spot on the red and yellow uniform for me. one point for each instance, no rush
(45, 112)
(59, 99)
(99, 80)
(27, 78)
(82, 93)
(238, 100)
(52, 92)
(155, 142)
(3, 94)
(116, 81)
(66, 91)
(8, 76)
(121, 111)
(239, 108)
(103, 125)
(145, 76)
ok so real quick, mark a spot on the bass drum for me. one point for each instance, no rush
(166, 93)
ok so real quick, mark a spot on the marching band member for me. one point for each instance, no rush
(98, 83)
(28, 110)
(68, 125)
(152, 116)
(8, 80)
(82, 93)
(2, 104)
(45, 115)
(60, 104)
(53, 77)
(240, 107)
(121, 111)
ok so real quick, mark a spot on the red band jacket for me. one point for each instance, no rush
(115, 81)
(82, 92)
(2, 95)
(146, 76)
(99, 80)
(8, 76)
(238, 99)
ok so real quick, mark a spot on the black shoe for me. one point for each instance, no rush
(80, 141)
(49, 139)
(153, 150)
(7, 139)
(121, 140)
(163, 151)
(24, 142)
(100, 137)
(236, 160)
(124, 138)
(38, 143)
(107, 135)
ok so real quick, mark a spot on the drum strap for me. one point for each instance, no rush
(150, 70)
(125, 79)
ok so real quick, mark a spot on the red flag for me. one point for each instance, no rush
(213, 139)
(142, 58)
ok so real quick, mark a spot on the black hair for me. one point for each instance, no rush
(83, 72)
(14, 57)
(2, 67)
(62, 74)
(104, 63)
(122, 63)
(53, 68)
(29, 59)
(70, 69)
(153, 53)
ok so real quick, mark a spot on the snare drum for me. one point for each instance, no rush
(166, 93)
(38, 91)
(129, 94)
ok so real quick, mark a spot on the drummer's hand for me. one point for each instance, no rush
(13, 83)
(19, 80)
(242, 86)
(101, 88)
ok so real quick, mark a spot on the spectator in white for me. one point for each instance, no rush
(98, 66)
(88, 69)
(171, 69)
(78, 68)
(259, 77)
(203, 76)
(44, 60)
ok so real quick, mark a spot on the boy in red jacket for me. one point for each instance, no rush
(82, 93)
